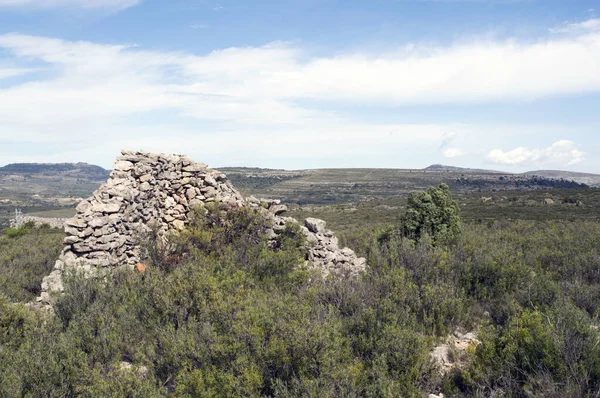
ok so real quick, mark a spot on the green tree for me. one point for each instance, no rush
(433, 213)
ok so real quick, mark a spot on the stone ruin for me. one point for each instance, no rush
(161, 190)
(52, 222)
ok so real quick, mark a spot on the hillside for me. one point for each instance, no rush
(79, 170)
(38, 187)
(443, 167)
(593, 180)
(45, 186)
(326, 186)
(239, 303)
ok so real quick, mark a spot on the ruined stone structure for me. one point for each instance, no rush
(159, 190)
(52, 222)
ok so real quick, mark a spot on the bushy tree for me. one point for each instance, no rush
(433, 213)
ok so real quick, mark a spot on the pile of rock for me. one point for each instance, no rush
(158, 191)
(325, 252)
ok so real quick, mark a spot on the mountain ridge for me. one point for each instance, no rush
(79, 169)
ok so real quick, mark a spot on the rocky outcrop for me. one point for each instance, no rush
(454, 353)
(158, 191)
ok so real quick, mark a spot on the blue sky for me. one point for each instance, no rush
(509, 85)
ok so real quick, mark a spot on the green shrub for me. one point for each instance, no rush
(223, 312)
(25, 258)
(432, 213)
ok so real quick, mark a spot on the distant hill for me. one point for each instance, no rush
(443, 167)
(46, 186)
(76, 170)
(326, 186)
(592, 180)
(61, 184)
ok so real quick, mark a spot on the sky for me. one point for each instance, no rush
(510, 85)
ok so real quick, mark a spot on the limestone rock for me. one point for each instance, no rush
(107, 208)
(83, 206)
(454, 352)
(190, 193)
(146, 178)
(278, 209)
(210, 181)
(98, 222)
(315, 225)
(76, 222)
(53, 282)
(196, 167)
(69, 240)
(123, 165)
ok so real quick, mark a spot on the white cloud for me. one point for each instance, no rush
(453, 153)
(263, 84)
(250, 95)
(86, 4)
(516, 156)
(591, 25)
(561, 153)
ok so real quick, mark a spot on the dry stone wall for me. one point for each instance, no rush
(160, 190)
(52, 222)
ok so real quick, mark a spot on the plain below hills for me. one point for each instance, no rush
(46, 186)
(327, 186)
(39, 187)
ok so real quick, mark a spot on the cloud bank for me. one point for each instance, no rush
(560, 153)
(242, 82)
(279, 91)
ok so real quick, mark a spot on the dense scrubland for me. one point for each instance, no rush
(26, 256)
(221, 314)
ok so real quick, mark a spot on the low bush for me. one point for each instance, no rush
(220, 313)
(26, 256)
